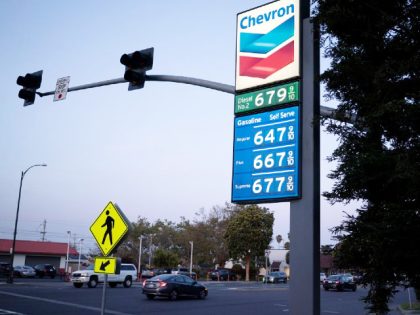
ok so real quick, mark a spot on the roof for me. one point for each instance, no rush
(36, 247)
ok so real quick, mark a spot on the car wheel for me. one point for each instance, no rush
(77, 285)
(354, 288)
(285, 281)
(52, 277)
(127, 282)
(150, 296)
(202, 295)
(173, 295)
(93, 282)
(326, 289)
(112, 284)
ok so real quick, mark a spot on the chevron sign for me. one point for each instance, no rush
(267, 44)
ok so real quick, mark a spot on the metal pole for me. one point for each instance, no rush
(305, 213)
(191, 259)
(150, 251)
(140, 246)
(325, 111)
(104, 294)
(67, 256)
(80, 252)
(12, 258)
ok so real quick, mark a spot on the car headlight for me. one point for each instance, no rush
(84, 274)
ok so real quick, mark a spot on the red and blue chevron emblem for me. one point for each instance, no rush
(275, 48)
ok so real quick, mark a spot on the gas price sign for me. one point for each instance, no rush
(266, 157)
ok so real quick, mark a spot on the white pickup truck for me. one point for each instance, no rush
(127, 275)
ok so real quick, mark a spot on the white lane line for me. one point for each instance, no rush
(62, 303)
(7, 312)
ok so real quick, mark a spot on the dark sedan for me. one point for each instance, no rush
(45, 270)
(339, 283)
(173, 286)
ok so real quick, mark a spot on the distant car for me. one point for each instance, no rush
(173, 286)
(322, 277)
(222, 275)
(148, 273)
(185, 272)
(339, 283)
(5, 268)
(24, 271)
(275, 277)
(45, 270)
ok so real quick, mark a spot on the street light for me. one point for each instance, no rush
(10, 280)
(191, 259)
(80, 251)
(140, 246)
(68, 250)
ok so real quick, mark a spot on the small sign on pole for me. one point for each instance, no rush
(61, 89)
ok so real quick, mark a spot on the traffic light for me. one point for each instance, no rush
(136, 64)
(30, 83)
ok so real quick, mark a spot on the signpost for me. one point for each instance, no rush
(107, 265)
(266, 156)
(61, 89)
(109, 230)
(262, 99)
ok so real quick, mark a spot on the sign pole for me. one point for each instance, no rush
(305, 213)
(104, 294)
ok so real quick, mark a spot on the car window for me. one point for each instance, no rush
(188, 280)
(180, 279)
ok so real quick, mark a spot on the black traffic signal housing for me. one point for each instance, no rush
(30, 83)
(136, 64)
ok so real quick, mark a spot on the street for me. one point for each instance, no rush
(44, 296)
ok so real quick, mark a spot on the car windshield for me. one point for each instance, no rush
(335, 277)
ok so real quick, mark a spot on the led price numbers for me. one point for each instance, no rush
(281, 94)
(266, 156)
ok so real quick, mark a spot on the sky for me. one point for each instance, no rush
(162, 152)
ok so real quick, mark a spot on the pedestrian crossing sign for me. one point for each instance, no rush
(110, 228)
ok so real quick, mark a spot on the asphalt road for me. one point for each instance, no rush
(36, 296)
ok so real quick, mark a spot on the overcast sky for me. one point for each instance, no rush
(161, 152)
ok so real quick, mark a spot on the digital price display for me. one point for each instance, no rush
(266, 165)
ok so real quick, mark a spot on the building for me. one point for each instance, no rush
(32, 253)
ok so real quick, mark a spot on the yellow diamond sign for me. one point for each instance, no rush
(110, 228)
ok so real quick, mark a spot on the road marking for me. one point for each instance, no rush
(62, 303)
(4, 312)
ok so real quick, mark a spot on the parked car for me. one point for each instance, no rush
(275, 277)
(5, 268)
(173, 286)
(222, 275)
(322, 277)
(339, 283)
(185, 272)
(43, 270)
(24, 271)
(127, 275)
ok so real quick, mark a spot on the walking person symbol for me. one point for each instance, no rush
(109, 223)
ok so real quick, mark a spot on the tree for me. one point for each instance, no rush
(375, 77)
(249, 233)
(165, 259)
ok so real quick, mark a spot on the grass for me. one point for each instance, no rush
(415, 306)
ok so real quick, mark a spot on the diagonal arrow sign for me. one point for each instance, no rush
(104, 265)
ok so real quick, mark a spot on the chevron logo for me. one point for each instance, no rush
(266, 44)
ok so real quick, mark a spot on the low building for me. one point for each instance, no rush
(32, 253)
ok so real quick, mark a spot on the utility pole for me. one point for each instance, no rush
(43, 232)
